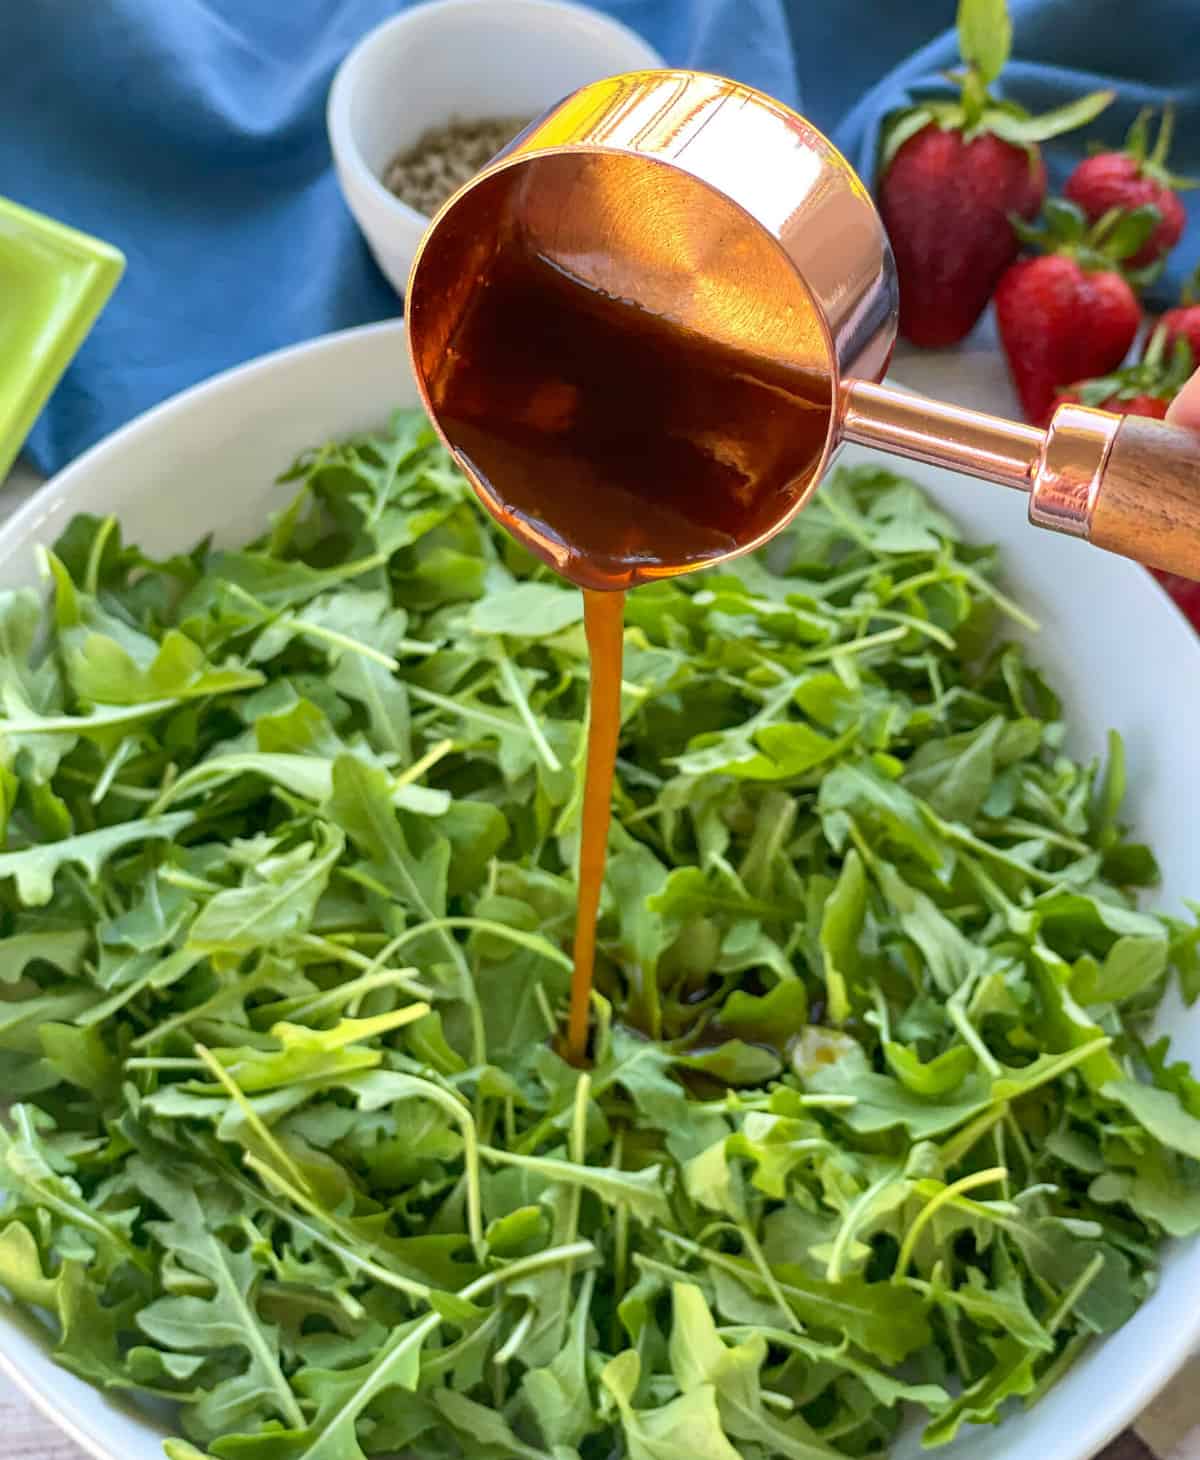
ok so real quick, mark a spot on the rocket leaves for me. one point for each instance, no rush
(286, 900)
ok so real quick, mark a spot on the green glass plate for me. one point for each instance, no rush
(53, 283)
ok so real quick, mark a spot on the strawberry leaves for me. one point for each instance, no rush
(984, 39)
(1106, 244)
(985, 44)
(1151, 158)
(1156, 376)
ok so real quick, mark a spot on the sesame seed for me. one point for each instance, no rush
(426, 174)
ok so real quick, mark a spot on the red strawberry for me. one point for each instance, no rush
(1069, 315)
(1146, 388)
(1183, 322)
(1120, 405)
(1058, 323)
(946, 203)
(1185, 593)
(1132, 179)
(951, 175)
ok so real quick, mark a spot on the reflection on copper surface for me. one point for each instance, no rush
(711, 207)
(697, 201)
(1074, 455)
(980, 445)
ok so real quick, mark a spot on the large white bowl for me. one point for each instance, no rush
(1112, 642)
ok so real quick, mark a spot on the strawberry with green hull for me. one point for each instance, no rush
(1145, 388)
(1070, 314)
(952, 172)
(1183, 322)
(1185, 593)
(1135, 178)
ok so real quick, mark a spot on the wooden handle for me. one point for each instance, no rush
(1148, 503)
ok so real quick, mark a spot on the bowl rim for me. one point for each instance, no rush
(24, 521)
(43, 1401)
(342, 138)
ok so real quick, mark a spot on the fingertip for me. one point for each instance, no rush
(1184, 410)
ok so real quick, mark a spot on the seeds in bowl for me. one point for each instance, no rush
(437, 165)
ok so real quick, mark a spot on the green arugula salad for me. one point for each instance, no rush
(872, 1132)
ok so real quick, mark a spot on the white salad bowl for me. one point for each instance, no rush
(1112, 643)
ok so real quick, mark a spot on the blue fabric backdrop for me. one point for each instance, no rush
(191, 133)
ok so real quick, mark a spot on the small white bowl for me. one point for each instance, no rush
(457, 59)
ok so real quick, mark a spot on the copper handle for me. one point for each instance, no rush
(928, 430)
(1128, 484)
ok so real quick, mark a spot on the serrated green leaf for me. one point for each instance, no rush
(530, 610)
(700, 1359)
(33, 869)
(267, 908)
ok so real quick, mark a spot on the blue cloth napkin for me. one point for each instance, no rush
(192, 135)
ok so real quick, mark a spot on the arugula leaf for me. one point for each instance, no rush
(1000, 1304)
(700, 1360)
(948, 955)
(1010, 1376)
(887, 1321)
(881, 1103)
(64, 948)
(275, 899)
(640, 1191)
(340, 1396)
(527, 610)
(559, 1395)
(772, 1017)
(34, 869)
(1130, 966)
(841, 928)
(1162, 1190)
(224, 1318)
(87, 1340)
(1160, 1113)
(688, 1428)
(940, 1076)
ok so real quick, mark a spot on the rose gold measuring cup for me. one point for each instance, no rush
(713, 206)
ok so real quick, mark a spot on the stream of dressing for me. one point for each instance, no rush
(604, 620)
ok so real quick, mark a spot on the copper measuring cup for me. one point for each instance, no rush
(716, 207)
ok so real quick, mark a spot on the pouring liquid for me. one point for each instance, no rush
(604, 620)
(620, 448)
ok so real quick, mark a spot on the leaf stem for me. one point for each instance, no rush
(251, 1116)
(340, 641)
(534, 942)
(519, 702)
(340, 1248)
(512, 1344)
(1076, 1291)
(929, 1211)
(418, 768)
